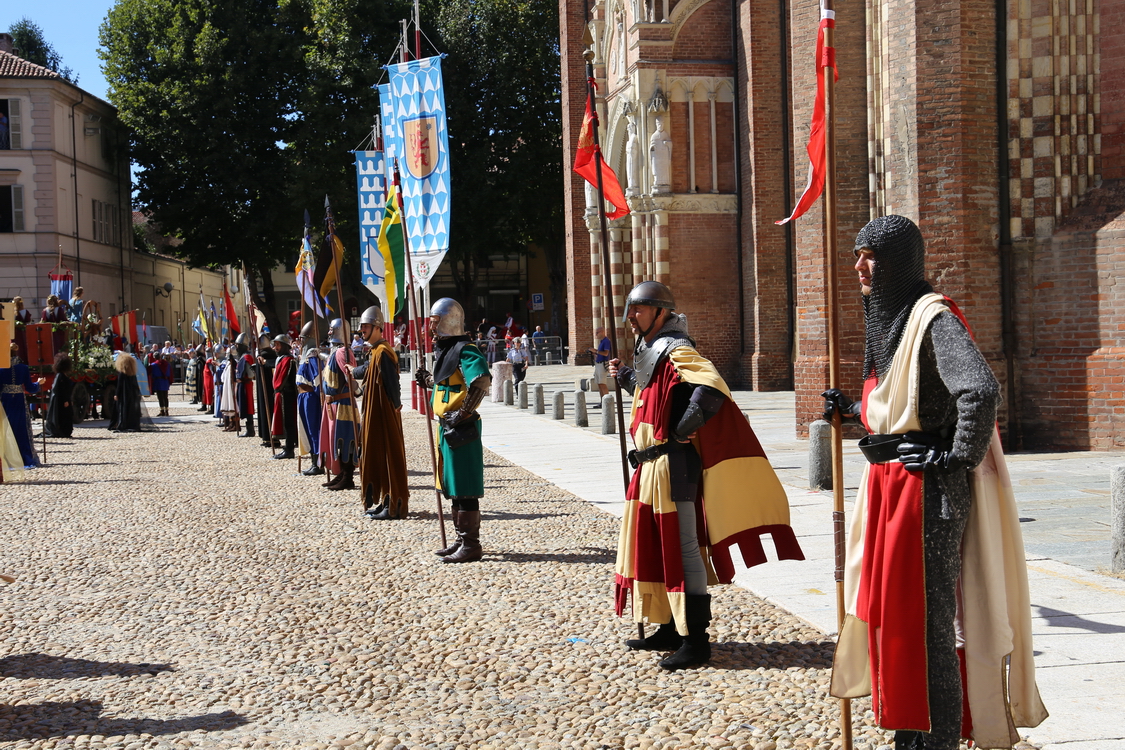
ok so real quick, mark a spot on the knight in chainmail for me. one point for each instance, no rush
(917, 489)
(685, 422)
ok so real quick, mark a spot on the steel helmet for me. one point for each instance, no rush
(338, 332)
(372, 316)
(307, 330)
(283, 338)
(450, 318)
(649, 293)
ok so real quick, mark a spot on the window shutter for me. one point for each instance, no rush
(17, 208)
(15, 128)
(94, 215)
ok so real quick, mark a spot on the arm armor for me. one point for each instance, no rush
(627, 378)
(705, 403)
(477, 391)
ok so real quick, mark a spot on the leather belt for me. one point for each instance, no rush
(336, 399)
(881, 449)
(638, 457)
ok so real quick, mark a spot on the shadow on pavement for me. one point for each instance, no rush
(590, 555)
(1070, 620)
(48, 667)
(738, 655)
(63, 719)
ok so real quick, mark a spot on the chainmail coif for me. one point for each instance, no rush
(897, 281)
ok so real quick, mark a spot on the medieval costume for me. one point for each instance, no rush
(339, 423)
(936, 580)
(60, 407)
(264, 389)
(128, 410)
(702, 484)
(382, 469)
(15, 384)
(11, 461)
(222, 392)
(284, 386)
(22, 319)
(308, 403)
(460, 382)
(241, 376)
(160, 377)
(55, 314)
(207, 378)
(193, 376)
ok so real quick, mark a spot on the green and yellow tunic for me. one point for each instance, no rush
(461, 469)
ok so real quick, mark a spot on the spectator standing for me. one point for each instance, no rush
(517, 355)
(601, 357)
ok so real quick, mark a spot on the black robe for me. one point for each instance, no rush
(60, 418)
(127, 412)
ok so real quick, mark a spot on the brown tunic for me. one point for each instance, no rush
(382, 465)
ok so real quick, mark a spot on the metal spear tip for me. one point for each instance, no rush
(326, 206)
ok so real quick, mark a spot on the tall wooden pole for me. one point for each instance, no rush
(831, 258)
(420, 348)
(607, 287)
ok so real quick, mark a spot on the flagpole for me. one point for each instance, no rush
(607, 288)
(831, 252)
(420, 348)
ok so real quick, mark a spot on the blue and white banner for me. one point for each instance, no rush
(421, 144)
(372, 183)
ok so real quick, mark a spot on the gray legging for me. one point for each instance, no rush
(695, 575)
(685, 467)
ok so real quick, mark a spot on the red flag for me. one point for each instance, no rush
(115, 324)
(232, 316)
(818, 162)
(585, 165)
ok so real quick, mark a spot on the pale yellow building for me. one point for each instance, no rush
(65, 191)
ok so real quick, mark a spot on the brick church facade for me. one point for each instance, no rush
(998, 126)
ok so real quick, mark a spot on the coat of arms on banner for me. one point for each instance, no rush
(421, 146)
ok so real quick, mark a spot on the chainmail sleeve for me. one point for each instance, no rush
(968, 392)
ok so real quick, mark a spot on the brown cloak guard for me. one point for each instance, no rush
(382, 464)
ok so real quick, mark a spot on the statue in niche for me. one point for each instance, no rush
(660, 158)
(591, 197)
(618, 63)
(633, 159)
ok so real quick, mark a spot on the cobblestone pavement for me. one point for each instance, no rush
(178, 589)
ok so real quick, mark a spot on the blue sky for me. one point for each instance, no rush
(72, 27)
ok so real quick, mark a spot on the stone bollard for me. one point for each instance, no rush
(580, 384)
(537, 398)
(558, 403)
(820, 455)
(581, 419)
(521, 396)
(1117, 516)
(609, 414)
(550, 359)
(509, 393)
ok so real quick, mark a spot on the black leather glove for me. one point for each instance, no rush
(835, 400)
(423, 378)
(920, 451)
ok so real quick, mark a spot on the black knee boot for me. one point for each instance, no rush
(696, 648)
(664, 639)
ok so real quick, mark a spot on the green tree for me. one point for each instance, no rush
(206, 91)
(31, 45)
(503, 96)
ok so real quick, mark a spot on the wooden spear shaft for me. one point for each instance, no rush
(419, 347)
(830, 273)
(607, 288)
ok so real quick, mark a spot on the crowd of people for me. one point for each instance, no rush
(938, 617)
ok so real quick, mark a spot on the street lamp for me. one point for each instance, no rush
(166, 290)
